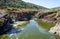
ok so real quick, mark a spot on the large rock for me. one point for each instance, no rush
(22, 16)
(55, 30)
(5, 22)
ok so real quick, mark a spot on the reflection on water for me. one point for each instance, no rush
(47, 26)
(13, 31)
(31, 31)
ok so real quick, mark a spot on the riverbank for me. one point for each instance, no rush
(19, 24)
(56, 29)
(46, 25)
(53, 28)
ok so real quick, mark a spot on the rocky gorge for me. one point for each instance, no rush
(12, 17)
(7, 21)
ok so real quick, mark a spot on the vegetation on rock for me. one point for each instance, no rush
(19, 4)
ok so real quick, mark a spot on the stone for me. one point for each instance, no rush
(55, 30)
(5, 22)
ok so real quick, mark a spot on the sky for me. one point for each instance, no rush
(45, 3)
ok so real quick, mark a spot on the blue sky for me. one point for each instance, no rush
(45, 3)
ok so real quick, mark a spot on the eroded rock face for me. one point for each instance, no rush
(5, 22)
(55, 30)
(22, 16)
(42, 14)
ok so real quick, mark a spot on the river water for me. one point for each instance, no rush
(32, 30)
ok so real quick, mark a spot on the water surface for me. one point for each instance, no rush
(32, 30)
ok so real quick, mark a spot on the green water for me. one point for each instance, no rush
(45, 25)
(33, 30)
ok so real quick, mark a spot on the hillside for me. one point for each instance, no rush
(19, 4)
(56, 8)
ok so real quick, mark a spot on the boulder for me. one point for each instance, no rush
(5, 22)
(55, 30)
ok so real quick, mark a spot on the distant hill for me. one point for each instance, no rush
(19, 4)
(56, 8)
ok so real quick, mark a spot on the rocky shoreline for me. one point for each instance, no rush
(53, 17)
(55, 30)
(12, 17)
(7, 20)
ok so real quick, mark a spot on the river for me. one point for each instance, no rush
(32, 30)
